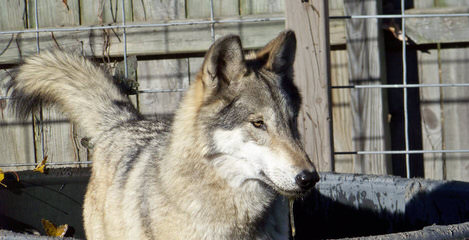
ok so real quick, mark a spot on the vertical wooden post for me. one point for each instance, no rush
(365, 51)
(431, 107)
(309, 20)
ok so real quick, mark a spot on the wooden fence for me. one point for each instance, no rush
(168, 57)
(444, 111)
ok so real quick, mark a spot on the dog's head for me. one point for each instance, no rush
(249, 112)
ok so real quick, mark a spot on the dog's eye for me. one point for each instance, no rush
(258, 124)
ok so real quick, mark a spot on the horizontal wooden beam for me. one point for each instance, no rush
(438, 29)
(143, 41)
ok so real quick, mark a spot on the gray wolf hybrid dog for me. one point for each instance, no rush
(219, 170)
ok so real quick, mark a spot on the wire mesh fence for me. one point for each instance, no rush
(405, 85)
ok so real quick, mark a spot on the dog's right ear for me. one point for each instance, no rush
(223, 64)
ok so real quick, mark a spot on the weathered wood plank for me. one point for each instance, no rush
(438, 29)
(140, 41)
(169, 74)
(54, 13)
(100, 12)
(95, 12)
(424, 4)
(430, 108)
(341, 112)
(153, 10)
(62, 140)
(336, 27)
(365, 58)
(194, 66)
(444, 110)
(16, 136)
(336, 7)
(337, 32)
(249, 7)
(341, 109)
(11, 14)
(309, 21)
(440, 3)
(454, 3)
(454, 69)
(201, 8)
(144, 10)
(160, 74)
(56, 137)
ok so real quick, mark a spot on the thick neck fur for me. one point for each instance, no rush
(207, 196)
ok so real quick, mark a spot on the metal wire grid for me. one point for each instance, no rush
(403, 16)
(213, 21)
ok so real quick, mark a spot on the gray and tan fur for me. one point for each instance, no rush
(217, 171)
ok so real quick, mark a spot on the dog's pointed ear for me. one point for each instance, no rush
(223, 63)
(279, 54)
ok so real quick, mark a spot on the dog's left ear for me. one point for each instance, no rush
(279, 54)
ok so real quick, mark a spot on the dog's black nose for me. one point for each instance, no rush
(307, 179)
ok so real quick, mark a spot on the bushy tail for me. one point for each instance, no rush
(79, 88)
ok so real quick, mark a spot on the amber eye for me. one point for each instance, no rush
(258, 124)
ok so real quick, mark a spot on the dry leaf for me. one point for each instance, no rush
(41, 166)
(66, 5)
(52, 230)
(395, 29)
(2, 176)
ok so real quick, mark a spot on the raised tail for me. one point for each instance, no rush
(79, 88)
